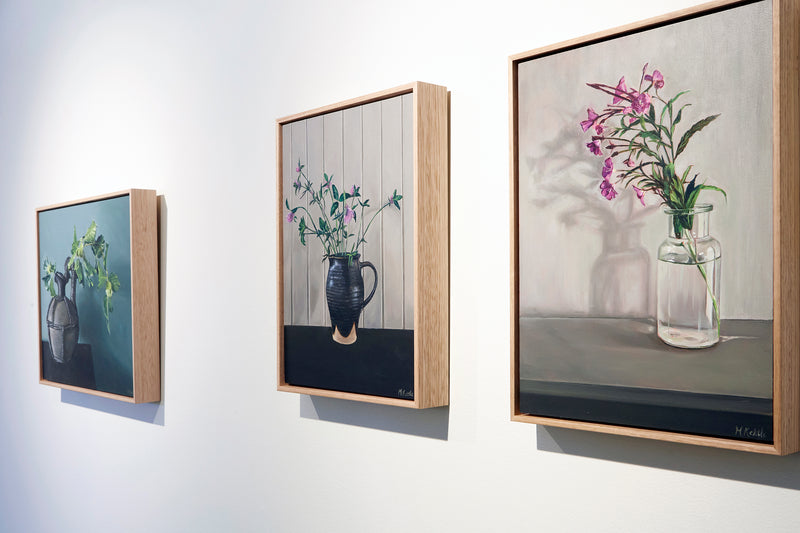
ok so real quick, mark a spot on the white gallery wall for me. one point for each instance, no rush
(182, 97)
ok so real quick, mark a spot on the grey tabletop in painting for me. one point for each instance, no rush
(616, 370)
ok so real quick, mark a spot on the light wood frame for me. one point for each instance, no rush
(144, 296)
(431, 245)
(786, 228)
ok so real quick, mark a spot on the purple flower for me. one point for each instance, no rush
(657, 78)
(594, 147)
(599, 129)
(353, 191)
(290, 216)
(607, 190)
(641, 103)
(639, 192)
(586, 124)
(630, 162)
(349, 214)
(629, 116)
(608, 168)
(620, 92)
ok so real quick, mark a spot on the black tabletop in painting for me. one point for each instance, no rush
(78, 371)
(380, 362)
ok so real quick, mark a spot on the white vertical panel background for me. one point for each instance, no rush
(392, 235)
(351, 161)
(299, 292)
(370, 146)
(371, 189)
(289, 234)
(317, 308)
(407, 211)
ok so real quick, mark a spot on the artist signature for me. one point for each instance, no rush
(746, 432)
(403, 393)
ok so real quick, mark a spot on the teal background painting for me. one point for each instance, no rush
(112, 353)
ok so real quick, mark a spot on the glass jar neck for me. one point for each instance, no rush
(688, 223)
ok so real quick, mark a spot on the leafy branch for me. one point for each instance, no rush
(88, 265)
(332, 225)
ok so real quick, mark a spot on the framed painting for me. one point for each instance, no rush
(363, 248)
(654, 178)
(97, 274)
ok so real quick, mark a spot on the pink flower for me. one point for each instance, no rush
(657, 78)
(628, 115)
(349, 214)
(599, 129)
(290, 216)
(607, 190)
(608, 168)
(594, 147)
(620, 92)
(586, 124)
(639, 192)
(630, 162)
(641, 103)
(353, 190)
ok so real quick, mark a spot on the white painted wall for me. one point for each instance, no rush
(182, 97)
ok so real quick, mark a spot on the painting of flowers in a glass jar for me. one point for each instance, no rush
(645, 234)
(348, 243)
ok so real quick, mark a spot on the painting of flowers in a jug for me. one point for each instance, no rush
(98, 299)
(351, 195)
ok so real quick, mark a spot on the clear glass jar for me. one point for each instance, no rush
(687, 286)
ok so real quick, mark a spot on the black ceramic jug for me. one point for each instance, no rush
(344, 291)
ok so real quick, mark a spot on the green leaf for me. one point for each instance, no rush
(334, 207)
(678, 117)
(712, 188)
(696, 127)
(91, 232)
(652, 113)
(672, 101)
(686, 173)
(335, 191)
(650, 135)
(690, 188)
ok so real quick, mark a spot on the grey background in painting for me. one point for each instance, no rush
(370, 146)
(581, 255)
(112, 353)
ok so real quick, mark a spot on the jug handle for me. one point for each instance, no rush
(374, 284)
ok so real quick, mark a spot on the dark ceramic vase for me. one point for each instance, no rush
(62, 321)
(344, 291)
